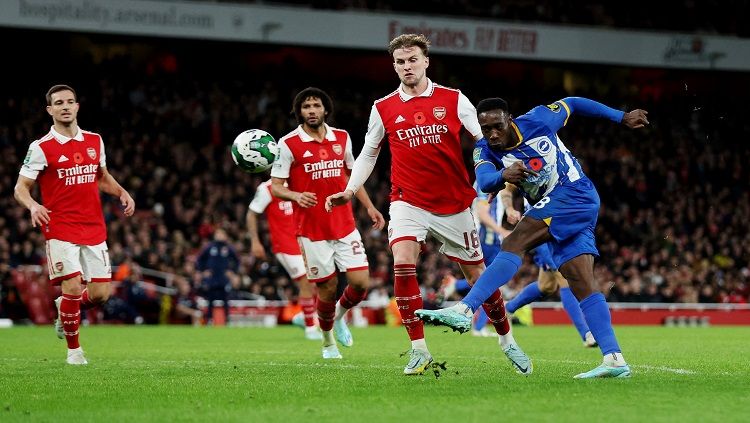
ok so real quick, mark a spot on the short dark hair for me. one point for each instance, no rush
(494, 103)
(307, 93)
(410, 40)
(58, 88)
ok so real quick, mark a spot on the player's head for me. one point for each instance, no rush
(495, 120)
(62, 104)
(410, 53)
(312, 106)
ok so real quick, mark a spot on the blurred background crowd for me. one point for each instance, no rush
(673, 225)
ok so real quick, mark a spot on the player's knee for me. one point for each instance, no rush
(547, 284)
(99, 297)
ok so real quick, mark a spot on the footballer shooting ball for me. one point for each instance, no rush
(254, 151)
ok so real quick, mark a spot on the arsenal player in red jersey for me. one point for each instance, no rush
(70, 166)
(314, 160)
(430, 189)
(281, 225)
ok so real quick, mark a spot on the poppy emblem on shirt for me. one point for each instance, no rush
(337, 149)
(91, 152)
(323, 154)
(438, 112)
(78, 158)
(535, 164)
(419, 117)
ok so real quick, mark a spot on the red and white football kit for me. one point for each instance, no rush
(329, 240)
(430, 189)
(280, 216)
(66, 170)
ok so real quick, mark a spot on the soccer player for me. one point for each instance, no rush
(493, 213)
(430, 189)
(70, 166)
(284, 246)
(314, 160)
(528, 153)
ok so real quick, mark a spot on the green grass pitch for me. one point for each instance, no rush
(168, 373)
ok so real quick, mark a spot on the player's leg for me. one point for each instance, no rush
(528, 234)
(98, 272)
(579, 272)
(294, 265)
(406, 230)
(64, 266)
(350, 256)
(326, 311)
(321, 270)
(573, 309)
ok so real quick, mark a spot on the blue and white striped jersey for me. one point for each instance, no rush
(539, 148)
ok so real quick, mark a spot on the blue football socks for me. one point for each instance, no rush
(573, 308)
(596, 313)
(500, 271)
(462, 287)
(528, 295)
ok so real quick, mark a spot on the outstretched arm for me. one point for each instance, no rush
(637, 118)
(256, 247)
(108, 184)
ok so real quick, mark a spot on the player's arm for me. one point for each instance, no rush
(506, 196)
(583, 106)
(364, 164)
(108, 184)
(22, 193)
(467, 114)
(304, 199)
(483, 211)
(279, 176)
(378, 222)
(256, 247)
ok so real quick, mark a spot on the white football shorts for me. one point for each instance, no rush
(322, 258)
(294, 264)
(66, 260)
(456, 232)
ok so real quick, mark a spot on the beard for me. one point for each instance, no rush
(314, 125)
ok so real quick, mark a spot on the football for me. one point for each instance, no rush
(254, 150)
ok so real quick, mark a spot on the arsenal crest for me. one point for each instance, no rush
(337, 149)
(91, 152)
(314, 271)
(438, 112)
(59, 266)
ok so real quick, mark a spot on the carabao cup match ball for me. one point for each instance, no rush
(254, 151)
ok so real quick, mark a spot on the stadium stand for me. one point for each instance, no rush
(673, 225)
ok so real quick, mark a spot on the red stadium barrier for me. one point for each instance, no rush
(655, 314)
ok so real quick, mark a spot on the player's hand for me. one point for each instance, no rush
(513, 216)
(306, 199)
(635, 119)
(378, 222)
(339, 199)
(517, 173)
(39, 215)
(258, 251)
(128, 203)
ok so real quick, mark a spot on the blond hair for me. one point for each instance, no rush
(410, 40)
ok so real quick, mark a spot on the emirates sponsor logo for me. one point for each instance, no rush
(422, 134)
(78, 174)
(439, 113)
(324, 168)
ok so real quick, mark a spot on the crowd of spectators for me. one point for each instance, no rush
(673, 224)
